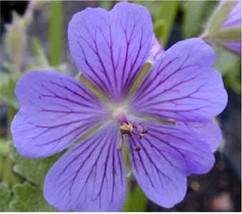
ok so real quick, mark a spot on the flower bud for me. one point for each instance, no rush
(224, 26)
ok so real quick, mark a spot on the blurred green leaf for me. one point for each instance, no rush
(6, 164)
(34, 170)
(164, 22)
(136, 201)
(29, 199)
(56, 32)
(7, 91)
(194, 13)
(39, 54)
(229, 65)
(5, 197)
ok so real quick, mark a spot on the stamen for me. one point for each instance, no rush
(127, 128)
(137, 149)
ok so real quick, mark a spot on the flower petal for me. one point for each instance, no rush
(156, 50)
(110, 47)
(208, 130)
(55, 111)
(182, 85)
(166, 155)
(234, 46)
(89, 177)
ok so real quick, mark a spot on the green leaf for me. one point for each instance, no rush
(194, 13)
(29, 199)
(231, 34)
(5, 197)
(39, 54)
(136, 201)
(218, 17)
(34, 170)
(7, 91)
(56, 32)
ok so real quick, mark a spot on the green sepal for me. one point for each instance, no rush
(136, 200)
(230, 34)
(143, 71)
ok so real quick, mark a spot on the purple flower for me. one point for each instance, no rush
(166, 123)
(233, 21)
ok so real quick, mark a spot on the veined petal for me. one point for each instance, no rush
(208, 130)
(156, 50)
(55, 110)
(89, 177)
(182, 85)
(166, 155)
(109, 48)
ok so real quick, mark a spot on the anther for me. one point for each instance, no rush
(137, 149)
(126, 128)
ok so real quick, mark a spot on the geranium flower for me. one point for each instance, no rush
(165, 117)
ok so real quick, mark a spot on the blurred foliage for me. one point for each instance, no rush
(5, 195)
(56, 32)
(22, 178)
(195, 16)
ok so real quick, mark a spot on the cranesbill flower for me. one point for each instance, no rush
(165, 117)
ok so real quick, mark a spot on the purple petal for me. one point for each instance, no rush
(166, 155)
(110, 47)
(208, 130)
(89, 177)
(156, 50)
(55, 111)
(182, 85)
(234, 46)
